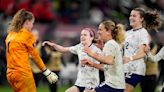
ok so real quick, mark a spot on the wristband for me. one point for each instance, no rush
(46, 72)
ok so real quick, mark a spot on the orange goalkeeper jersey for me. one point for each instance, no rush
(19, 46)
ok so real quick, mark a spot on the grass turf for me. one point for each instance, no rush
(39, 89)
(44, 88)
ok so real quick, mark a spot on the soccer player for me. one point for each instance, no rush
(149, 82)
(87, 77)
(158, 56)
(155, 58)
(19, 45)
(135, 41)
(111, 58)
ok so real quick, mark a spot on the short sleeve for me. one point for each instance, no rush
(144, 37)
(109, 50)
(74, 49)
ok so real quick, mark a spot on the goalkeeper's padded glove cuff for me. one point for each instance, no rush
(46, 72)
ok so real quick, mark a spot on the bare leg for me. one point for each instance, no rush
(72, 89)
(129, 88)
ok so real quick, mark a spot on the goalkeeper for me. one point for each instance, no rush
(19, 46)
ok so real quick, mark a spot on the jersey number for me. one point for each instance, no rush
(127, 44)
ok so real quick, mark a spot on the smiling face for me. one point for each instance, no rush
(85, 37)
(135, 19)
(103, 34)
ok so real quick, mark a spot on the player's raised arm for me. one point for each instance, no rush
(56, 46)
(157, 57)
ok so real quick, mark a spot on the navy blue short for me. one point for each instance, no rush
(81, 89)
(106, 88)
(134, 79)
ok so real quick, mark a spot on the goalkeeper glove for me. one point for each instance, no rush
(51, 77)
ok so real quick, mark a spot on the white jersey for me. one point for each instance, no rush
(87, 76)
(133, 40)
(114, 74)
(158, 56)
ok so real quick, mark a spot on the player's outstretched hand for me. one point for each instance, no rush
(48, 43)
(51, 77)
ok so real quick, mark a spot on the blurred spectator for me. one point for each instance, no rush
(96, 15)
(3, 24)
(54, 64)
(51, 58)
(149, 82)
(69, 12)
(55, 6)
(43, 12)
(127, 5)
(26, 4)
(7, 7)
(2, 67)
(74, 12)
(155, 4)
(2, 50)
(69, 71)
(160, 80)
(2, 60)
(103, 5)
(42, 9)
